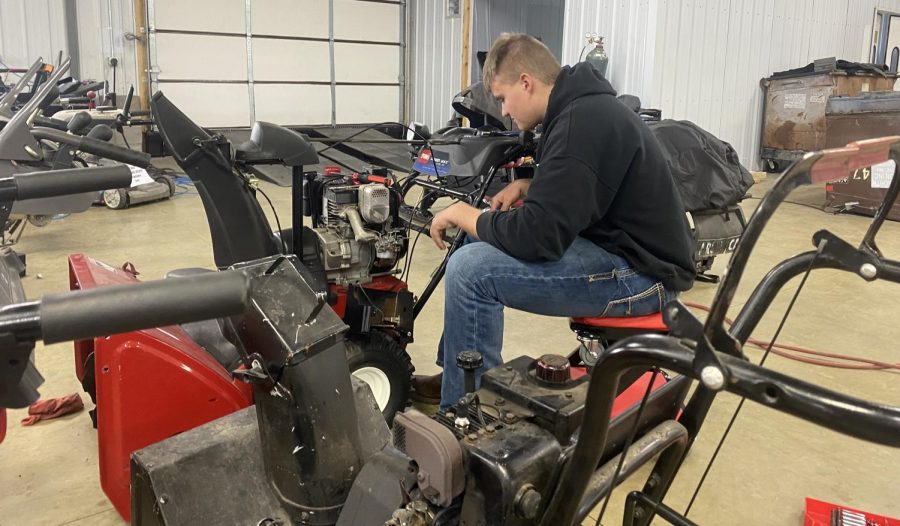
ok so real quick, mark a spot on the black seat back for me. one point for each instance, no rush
(238, 227)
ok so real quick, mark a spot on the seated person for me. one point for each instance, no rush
(601, 231)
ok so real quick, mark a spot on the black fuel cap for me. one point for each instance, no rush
(469, 360)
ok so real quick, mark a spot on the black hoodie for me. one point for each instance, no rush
(601, 176)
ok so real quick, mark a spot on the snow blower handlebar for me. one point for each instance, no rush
(87, 314)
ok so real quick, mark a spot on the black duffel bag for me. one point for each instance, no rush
(706, 169)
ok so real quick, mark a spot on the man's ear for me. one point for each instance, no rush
(527, 82)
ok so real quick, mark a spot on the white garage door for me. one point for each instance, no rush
(227, 63)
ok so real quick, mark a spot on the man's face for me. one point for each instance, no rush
(518, 101)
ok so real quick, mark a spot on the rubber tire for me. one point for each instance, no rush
(40, 220)
(775, 165)
(377, 349)
(168, 181)
(122, 202)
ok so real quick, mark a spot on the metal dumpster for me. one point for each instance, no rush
(852, 118)
(794, 115)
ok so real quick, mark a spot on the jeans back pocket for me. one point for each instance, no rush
(643, 303)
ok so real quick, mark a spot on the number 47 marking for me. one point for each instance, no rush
(866, 173)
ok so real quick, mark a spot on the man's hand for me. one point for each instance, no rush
(508, 196)
(458, 214)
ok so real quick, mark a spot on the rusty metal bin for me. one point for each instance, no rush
(794, 115)
(851, 118)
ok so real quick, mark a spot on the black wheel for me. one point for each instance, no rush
(380, 362)
(169, 182)
(116, 199)
(775, 165)
(40, 220)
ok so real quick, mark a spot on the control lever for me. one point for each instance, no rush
(371, 178)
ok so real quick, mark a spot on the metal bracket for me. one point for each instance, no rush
(683, 324)
(5, 209)
(256, 374)
(8, 191)
(835, 248)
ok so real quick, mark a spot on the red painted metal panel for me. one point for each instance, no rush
(150, 385)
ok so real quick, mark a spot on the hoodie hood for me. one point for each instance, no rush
(574, 82)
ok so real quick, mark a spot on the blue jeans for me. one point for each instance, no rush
(481, 280)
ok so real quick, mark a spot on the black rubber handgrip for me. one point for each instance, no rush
(54, 183)
(79, 123)
(103, 311)
(101, 132)
(86, 144)
(50, 122)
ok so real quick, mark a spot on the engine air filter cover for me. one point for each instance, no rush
(374, 203)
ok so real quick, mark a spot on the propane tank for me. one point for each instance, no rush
(596, 57)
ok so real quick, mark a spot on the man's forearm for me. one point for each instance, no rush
(466, 218)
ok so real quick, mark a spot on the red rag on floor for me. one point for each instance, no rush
(53, 408)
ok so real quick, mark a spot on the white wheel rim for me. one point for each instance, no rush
(112, 198)
(378, 382)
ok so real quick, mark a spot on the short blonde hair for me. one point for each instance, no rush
(515, 53)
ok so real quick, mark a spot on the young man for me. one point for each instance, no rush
(602, 231)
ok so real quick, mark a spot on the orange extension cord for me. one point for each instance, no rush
(788, 351)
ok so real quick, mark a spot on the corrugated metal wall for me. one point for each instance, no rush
(628, 28)
(539, 18)
(436, 46)
(102, 29)
(33, 28)
(695, 59)
(702, 60)
(435, 55)
(30, 29)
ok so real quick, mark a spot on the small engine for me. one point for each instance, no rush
(357, 227)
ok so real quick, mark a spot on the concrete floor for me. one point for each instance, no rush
(767, 467)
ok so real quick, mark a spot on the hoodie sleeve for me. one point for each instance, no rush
(560, 204)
